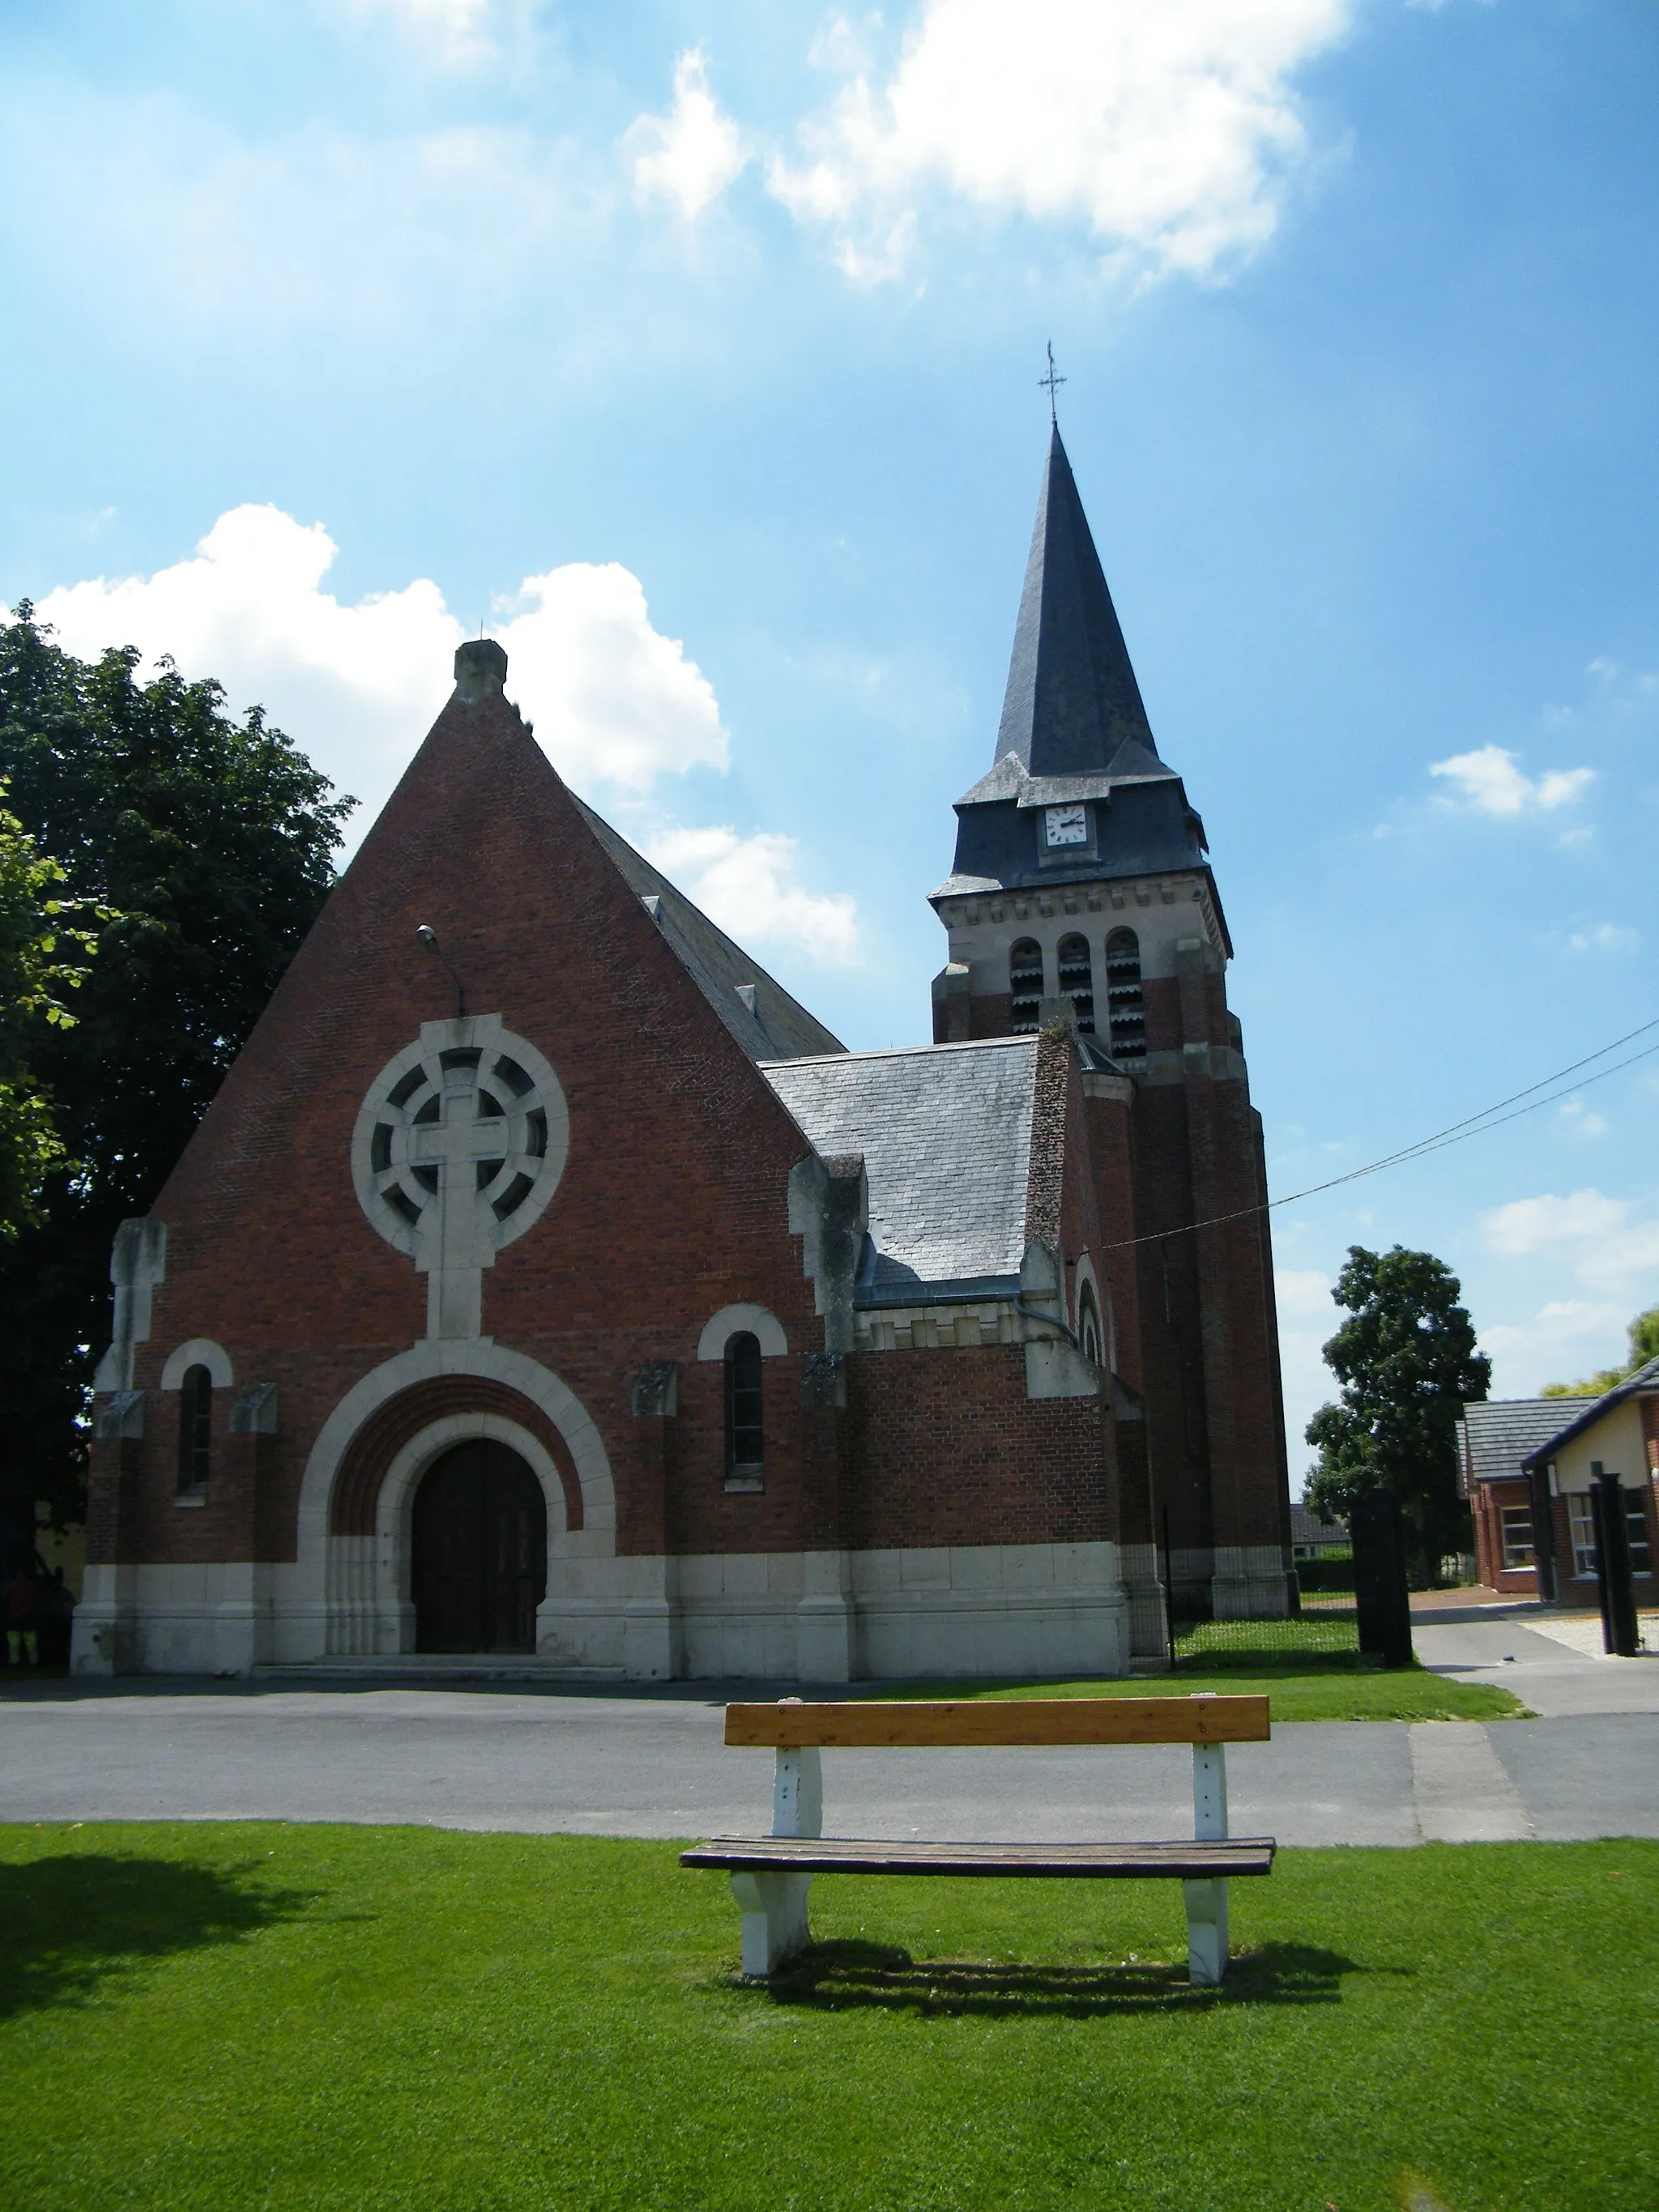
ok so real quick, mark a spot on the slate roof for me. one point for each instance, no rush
(945, 1132)
(1071, 699)
(777, 1026)
(1307, 1528)
(1073, 729)
(1645, 1378)
(1500, 1433)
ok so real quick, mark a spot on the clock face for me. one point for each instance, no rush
(1066, 826)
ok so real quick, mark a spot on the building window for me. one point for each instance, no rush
(1518, 1536)
(194, 1431)
(1583, 1536)
(1088, 1326)
(1024, 985)
(744, 1444)
(1076, 980)
(1641, 1558)
(1125, 1008)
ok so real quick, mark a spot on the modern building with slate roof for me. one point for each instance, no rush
(1494, 1439)
(573, 1302)
(1617, 1432)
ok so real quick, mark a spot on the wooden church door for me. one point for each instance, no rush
(480, 1552)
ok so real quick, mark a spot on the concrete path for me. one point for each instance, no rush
(655, 1766)
(1497, 1645)
(624, 1764)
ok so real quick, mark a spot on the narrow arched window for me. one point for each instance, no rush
(1024, 984)
(1076, 980)
(1088, 1327)
(194, 1431)
(1126, 1009)
(744, 1442)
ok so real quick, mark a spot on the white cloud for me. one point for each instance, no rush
(454, 30)
(1604, 937)
(1565, 1340)
(356, 683)
(1489, 781)
(613, 700)
(693, 153)
(1169, 129)
(745, 884)
(1304, 1292)
(1607, 1248)
(1581, 1119)
(1539, 1225)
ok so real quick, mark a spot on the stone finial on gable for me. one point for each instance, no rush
(480, 670)
(829, 1211)
(136, 1264)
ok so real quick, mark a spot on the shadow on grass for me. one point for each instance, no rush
(71, 1922)
(845, 1977)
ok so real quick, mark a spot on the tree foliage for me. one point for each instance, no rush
(1643, 1337)
(40, 944)
(1407, 1361)
(205, 843)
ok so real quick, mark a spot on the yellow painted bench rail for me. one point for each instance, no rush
(947, 1722)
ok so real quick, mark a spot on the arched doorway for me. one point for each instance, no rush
(480, 1552)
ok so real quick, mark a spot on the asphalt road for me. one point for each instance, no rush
(653, 1765)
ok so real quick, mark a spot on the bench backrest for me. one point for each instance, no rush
(937, 1723)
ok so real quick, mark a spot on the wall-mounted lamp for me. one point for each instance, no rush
(429, 937)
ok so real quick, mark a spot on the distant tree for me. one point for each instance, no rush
(1407, 1362)
(208, 844)
(1643, 1337)
(40, 942)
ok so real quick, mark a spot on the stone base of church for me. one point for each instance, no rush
(815, 1617)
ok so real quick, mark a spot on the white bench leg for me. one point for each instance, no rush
(1207, 1901)
(774, 1927)
(1207, 1931)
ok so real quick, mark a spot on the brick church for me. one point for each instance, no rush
(545, 1280)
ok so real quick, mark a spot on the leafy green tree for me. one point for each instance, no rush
(38, 943)
(207, 844)
(1407, 1361)
(1643, 1337)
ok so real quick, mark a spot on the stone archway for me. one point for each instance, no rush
(478, 1551)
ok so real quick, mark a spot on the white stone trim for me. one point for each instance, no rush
(986, 1610)
(199, 1352)
(1084, 1272)
(325, 1562)
(370, 1581)
(718, 1330)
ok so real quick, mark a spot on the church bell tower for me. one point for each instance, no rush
(1082, 896)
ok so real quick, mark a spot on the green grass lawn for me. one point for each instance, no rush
(1303, 1690)
(222, 2016)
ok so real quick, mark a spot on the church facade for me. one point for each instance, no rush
(547, 1287)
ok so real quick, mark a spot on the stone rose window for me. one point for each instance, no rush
(458, 1147)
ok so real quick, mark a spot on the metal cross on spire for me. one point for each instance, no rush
(1051, 384)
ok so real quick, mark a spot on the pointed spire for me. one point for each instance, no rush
(1073, 702)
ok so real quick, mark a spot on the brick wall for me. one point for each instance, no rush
(946, 1448)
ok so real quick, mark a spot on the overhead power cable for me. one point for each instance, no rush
(1455, 1132)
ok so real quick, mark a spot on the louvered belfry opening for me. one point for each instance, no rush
(1076, 980)
(1024, 985)
(1127, 1008)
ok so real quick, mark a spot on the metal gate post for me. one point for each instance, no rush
(1619, 1634)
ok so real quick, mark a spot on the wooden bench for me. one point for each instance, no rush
(772, 1875)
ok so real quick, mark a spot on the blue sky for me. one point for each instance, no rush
(693, 350)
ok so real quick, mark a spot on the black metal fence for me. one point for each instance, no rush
(1355, 1608)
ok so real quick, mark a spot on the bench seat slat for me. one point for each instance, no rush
(943, 1722)
(1193, 1862)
